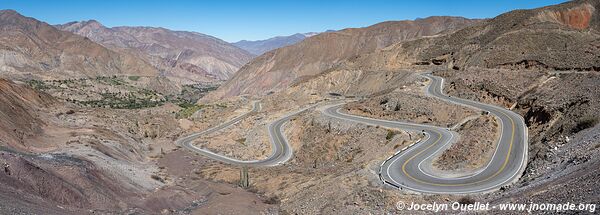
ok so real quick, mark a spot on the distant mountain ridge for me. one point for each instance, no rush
(278, 69)
(183, 56)
(559, 37)
(259, 47)
(33, 49)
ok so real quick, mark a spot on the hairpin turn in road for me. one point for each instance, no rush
(408, 169)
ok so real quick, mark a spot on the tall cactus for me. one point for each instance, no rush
(244, 180)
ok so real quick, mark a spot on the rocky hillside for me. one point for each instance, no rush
(543, 63)
(18, 119)
(180, 55)
(559, 37)
(58, 158)
(32, 181)
(279, 68)
(30, 48)
(259, 47)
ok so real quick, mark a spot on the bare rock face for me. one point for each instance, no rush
(30, 48)
(279, 68)
(578, 17)
(180, 55)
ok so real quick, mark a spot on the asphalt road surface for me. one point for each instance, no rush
(410, 168)
(281, 152)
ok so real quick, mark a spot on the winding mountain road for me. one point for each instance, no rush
(281, 151)
(410, 168)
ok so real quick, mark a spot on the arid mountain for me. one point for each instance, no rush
(36, 174)
(33, 49)
(560, 37)
(279, 68)
(259, 47)
(78, 148)
(60, 158)
(180, 55)
(542, 64)
(17, 113)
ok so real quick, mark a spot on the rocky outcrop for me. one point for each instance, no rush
(578, 17)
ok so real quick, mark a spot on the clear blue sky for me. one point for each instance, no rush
(253, 20)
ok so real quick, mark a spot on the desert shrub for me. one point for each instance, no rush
(38, 85)
(584, 123)
(390, 134)
(466, 200)
(158, 178)
(186, 105)
(253, 189)
(272, 200)
(241, 141)
(189, 111)
(383, 101)
(110, 80)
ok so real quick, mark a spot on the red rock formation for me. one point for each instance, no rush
(577, 17)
